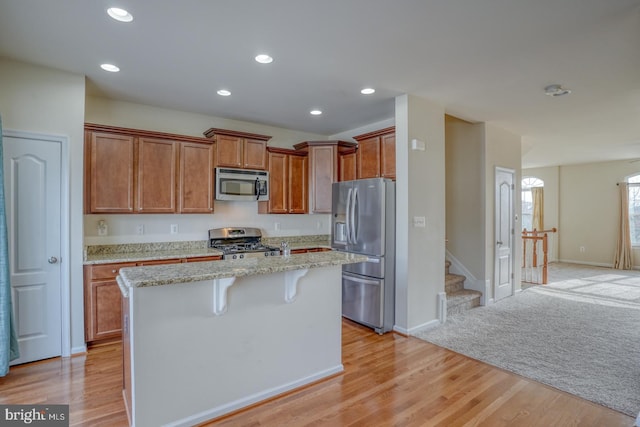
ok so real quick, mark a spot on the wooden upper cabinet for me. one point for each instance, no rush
(195, 185)
(388, 156)
(138, 171)
(109, 172)
(278, 183)
(157, 166)
(323, 171)
(376, 156)
(298, 184)
(348, 165)
(239, 149)
(288, 177)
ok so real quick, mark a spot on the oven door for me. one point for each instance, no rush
(242, 185)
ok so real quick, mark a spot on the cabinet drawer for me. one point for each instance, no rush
(106, 271)
(159, 261)
(204, 258)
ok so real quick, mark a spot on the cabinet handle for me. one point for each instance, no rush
(114, 271)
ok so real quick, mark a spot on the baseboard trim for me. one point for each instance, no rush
(225, 409)
(412, 331)
(594, 264)
(78, 350)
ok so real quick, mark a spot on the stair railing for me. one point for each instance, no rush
(535, 248)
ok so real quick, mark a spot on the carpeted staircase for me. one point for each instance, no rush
(459, 299)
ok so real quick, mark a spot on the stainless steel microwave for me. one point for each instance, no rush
(242, 184)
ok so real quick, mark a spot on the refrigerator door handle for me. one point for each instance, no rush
(354, 226)
(347, 221)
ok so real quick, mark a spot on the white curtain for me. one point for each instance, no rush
(537, 196)
(623, 259)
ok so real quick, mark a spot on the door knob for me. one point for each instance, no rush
(52, 260)
(499, 242)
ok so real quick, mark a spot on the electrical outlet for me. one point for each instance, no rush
(140, 229)
(419, 221)
(276, 226)
(174, 228)
(582, 249)
(319, 225)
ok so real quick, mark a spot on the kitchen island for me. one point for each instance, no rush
(204, 339)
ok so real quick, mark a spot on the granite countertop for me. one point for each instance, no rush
(106, 254)
(168, 274)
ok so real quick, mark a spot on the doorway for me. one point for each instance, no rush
(503, 233)
(36, 202)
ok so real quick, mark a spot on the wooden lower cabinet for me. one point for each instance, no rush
(103, 300)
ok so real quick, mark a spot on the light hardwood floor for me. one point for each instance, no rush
(389, 380)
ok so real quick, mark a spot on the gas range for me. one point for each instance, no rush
(240, 243)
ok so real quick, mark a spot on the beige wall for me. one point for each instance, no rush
(419, 192)
(589, 209)
(465, 193)
(551, 177)
(502, 150)
(43, 100)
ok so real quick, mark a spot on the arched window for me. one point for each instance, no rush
(634, 208)
(529, 201)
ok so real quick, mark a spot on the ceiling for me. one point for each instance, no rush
(482, 60)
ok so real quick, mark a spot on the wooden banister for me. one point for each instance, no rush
(536, 236)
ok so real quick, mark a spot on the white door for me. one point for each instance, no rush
(32, 182)
(503, 274)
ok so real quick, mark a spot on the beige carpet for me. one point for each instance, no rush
(580, 333)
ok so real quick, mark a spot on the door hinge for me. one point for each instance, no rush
(512, 276)
(513, 186)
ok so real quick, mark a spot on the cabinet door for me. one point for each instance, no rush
(369, 158)
(388, 154)
(348, 166)
(156, 187)
(229, 151)
(196, 178)
(110, 173)
(298, 176)
(105, 316)
(278, 183)
(323, 174)
(255, 154)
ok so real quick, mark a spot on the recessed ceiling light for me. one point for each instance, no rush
(315, 112)
(120, 14)
(224, 92)
(367, 91)
(556, 90)
(264, 59)
(110, 67)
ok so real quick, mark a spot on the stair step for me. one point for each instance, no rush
(460, 301)
(453, 283)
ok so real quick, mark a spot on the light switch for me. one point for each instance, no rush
(418, 145)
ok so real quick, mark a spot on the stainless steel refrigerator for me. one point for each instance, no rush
(363, 221)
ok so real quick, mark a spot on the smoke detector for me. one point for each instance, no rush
(556, 90)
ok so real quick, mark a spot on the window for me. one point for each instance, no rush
(527, 200)
(634, 209)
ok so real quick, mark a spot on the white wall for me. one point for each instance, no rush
(43, 100)
(589, 209)
(551, 177)
(465, 201)
(420, 177)
(502, 149)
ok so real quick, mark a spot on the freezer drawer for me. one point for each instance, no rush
(373, 267)
(362, 299)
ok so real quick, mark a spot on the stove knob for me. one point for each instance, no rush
(235, 256)
(241, 255)
(266, 254)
